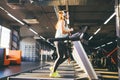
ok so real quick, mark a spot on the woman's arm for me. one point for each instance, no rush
(64, 31)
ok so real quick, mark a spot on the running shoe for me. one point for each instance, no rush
(51, 68)
(55, 75)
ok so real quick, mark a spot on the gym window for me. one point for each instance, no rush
(5, 38)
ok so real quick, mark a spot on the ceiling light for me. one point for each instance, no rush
(36, 37)
(42, 37)
(3, 9)
(15, 18)
(109, 42)
(16, 4)
(31, 21)
(12, 16)
(97, 31)
(110, 18)
(33, 31)
(97, 47)
(103, 45)
(90, 37)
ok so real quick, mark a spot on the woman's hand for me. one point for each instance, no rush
(71, 29)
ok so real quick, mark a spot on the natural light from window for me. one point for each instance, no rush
(5, 38)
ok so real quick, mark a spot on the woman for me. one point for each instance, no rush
(61, 32)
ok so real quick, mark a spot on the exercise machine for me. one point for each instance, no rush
(80, 55)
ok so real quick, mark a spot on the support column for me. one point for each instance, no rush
(15, 37)
(117, 10)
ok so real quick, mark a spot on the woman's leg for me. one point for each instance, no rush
(59, 55)
(62, 54)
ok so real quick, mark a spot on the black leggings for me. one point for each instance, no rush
(62, 54)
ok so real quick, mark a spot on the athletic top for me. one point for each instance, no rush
(59, 33)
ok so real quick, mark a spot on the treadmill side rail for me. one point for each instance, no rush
(82, 60)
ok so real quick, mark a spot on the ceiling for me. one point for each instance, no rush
(91, 13)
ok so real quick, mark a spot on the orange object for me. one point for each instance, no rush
(15, 56)
(6, 62)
